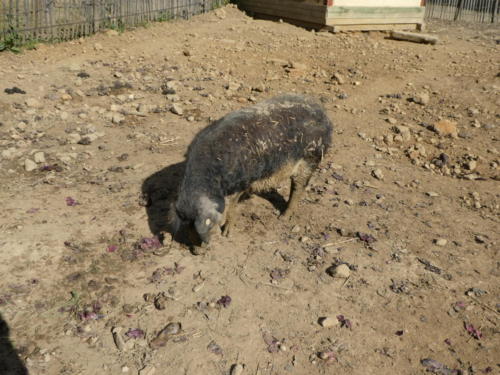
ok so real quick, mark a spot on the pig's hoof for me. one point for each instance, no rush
(225, 231)
(200, 250)
(285, 216)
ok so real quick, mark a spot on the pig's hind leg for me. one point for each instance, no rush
(299, 181)
(231, 205)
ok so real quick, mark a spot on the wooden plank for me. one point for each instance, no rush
(377, 3)
(376, 27)
(290, 12)
(299, 16)
(285, 4)
(372, 21)
(300, 23)
(414, 37)
(375, 12)
(287, 9)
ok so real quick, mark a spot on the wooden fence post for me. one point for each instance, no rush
(494, 11)
(459, 10)
(93, 17)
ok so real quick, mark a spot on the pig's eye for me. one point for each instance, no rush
(208, 222)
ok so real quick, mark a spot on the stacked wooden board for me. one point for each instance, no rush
(339, 15)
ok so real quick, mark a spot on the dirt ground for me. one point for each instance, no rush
(396, 243)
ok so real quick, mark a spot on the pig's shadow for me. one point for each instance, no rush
(160, 192)
(10, 363)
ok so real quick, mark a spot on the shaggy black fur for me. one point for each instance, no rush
(249, 145)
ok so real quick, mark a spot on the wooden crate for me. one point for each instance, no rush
(338, 15)
(375, 14)
(308, 11)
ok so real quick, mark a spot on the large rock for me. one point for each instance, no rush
(29, 165)
(446, 128)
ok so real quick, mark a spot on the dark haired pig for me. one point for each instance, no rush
(250, 150)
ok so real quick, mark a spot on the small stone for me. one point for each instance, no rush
(297, 65)
(421, 98)
(472, 111)
(404, 131)
(160, 302)
(39, 157)
(74, 138)
(64, 115)
(471, 165)
(440, 241)
(326, 355)
(172, 328)
(232, 86)
(237, 369)
(29, 165)
(165, 334)
(471, 176)
(8, 154)
(377, 173)
(304, 239)
(327, 322)
(85, 141)
(398, 138)
(446, 128)
(391, 120)
(176, 109)
(480, 238)
(340, 271)
(349, 202)
(98, 46)
(198, 287)
(125, 369)
(118, 338)
(296, 229)
(33, 103)
(259, 88)
(117, 118)
(338, 78)
(432, 194)
(148, 370)
(220, 13)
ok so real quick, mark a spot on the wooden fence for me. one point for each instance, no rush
(486, 11)
(48, 20)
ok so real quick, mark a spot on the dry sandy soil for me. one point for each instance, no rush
(91, 156)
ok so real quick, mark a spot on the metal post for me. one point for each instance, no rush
(459, 10)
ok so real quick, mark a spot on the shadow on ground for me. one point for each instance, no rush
(160, 192)
(10, 363)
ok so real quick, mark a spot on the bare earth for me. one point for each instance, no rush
(412, 214)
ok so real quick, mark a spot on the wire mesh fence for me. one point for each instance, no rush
(484, 11)
(68, 19)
